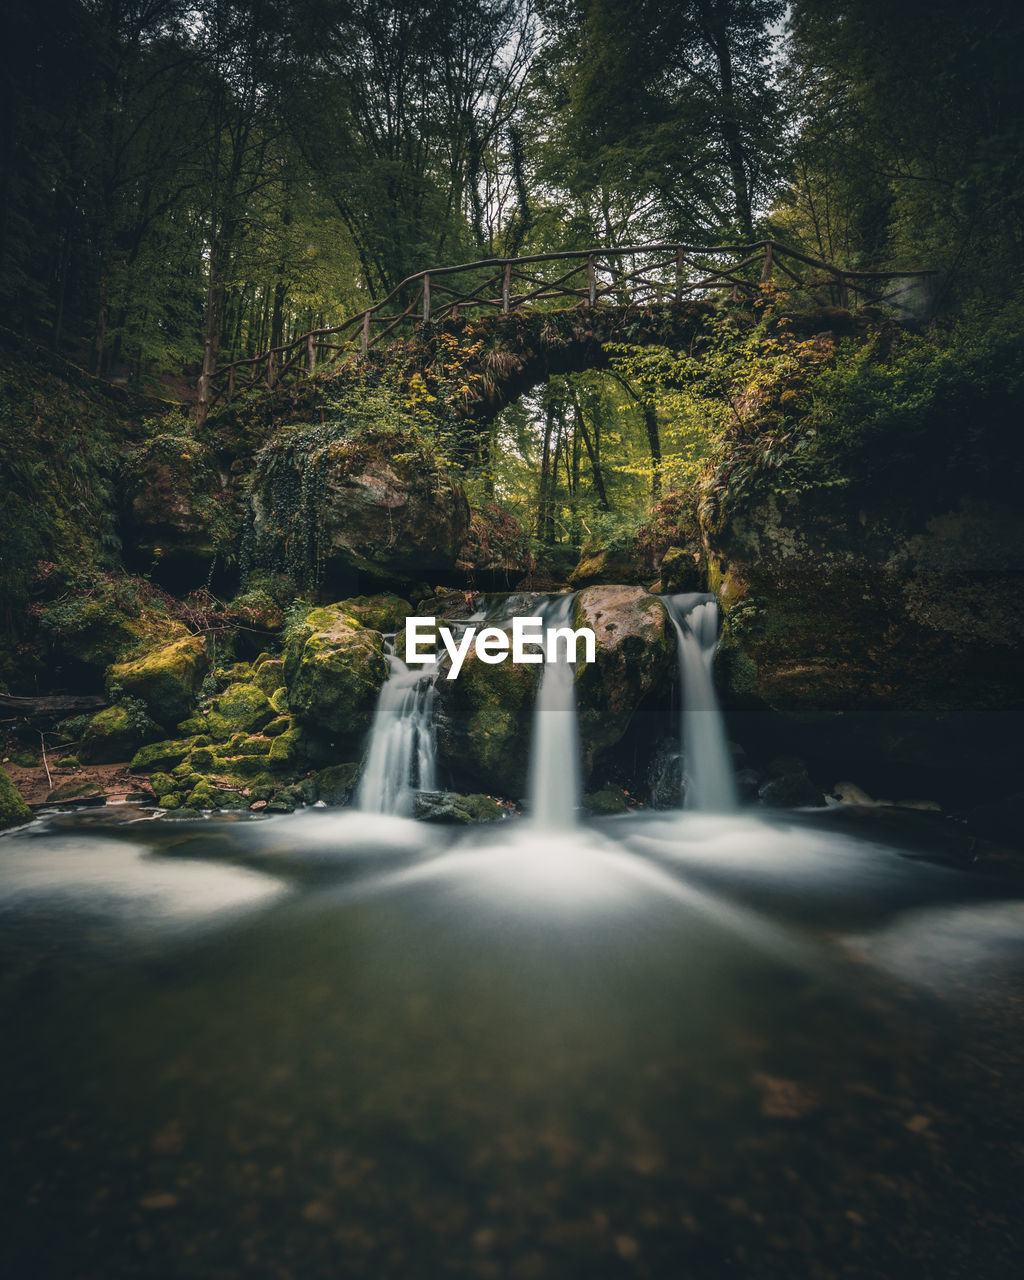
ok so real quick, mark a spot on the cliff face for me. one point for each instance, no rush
(880, 639)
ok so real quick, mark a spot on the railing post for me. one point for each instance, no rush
(506, 286)
(366, 331)
(766, 273)
(311, 353)
(591, 279)
(426, 296)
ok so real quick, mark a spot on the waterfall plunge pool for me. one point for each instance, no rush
(340, 1043)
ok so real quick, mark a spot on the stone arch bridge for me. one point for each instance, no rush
(553, 313)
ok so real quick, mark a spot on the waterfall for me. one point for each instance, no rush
(706, 760)
(400, 759)
(554, 787)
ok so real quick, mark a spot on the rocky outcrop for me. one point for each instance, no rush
(877, 641)
(335, 507)
(634, 651)
(176, 509)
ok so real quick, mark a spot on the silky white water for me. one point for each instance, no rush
(706, 761)
(554, 781)
(401, 759)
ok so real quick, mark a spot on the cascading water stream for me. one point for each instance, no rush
(401, 758)
(554, 784)
(706, 759)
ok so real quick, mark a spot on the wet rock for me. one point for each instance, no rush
(665, 778)
(747, 783)
(450, 806)
(13, 810)
(77, 791)
(635, 648)
(484, 724)
(609, 800)
(268, 675)
(790, 791)
(337, 783)
(116, 734)
(166, 679)
(334, 671)
(682, 570)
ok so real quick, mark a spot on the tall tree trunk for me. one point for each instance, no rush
(654, 441)
(545, 468)
(592, 454)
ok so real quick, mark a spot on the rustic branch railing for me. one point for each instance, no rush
(636, 275)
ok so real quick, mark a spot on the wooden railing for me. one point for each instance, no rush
(636, 275)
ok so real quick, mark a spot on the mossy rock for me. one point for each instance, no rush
(484, 724)
(682, 570)
(161, 756)
(116, 734)
(337, 783)
(169, 801)
(451, 807)
(279, 700)
(167, 679)
(335, 669)
(385, 613)
(162, 784)
(243, 767)
(276, 727)
(201, 760)
(609, 800)
(76, 791)
(204, 797)
(184, 813)
(243, 706)
(254, 746)
(286, 750)
(601, 564)
(269, 676)
(13, 809)
(634, 650)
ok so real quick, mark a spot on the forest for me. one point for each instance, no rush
(184, 185)
(682, 340)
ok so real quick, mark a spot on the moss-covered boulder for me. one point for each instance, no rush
(116, 734)
(635, 646)
(335, 669)
(609, 800)
(484, 725)
(609, 564)
(385, 613)
(451, 807)
(682, 570)
(167, 679)
(337, 783)
(77, 791)
(268, 675)
(161, 756)
(13, 809)
(243, 707)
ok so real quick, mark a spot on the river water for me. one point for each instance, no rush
(339, 1044)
